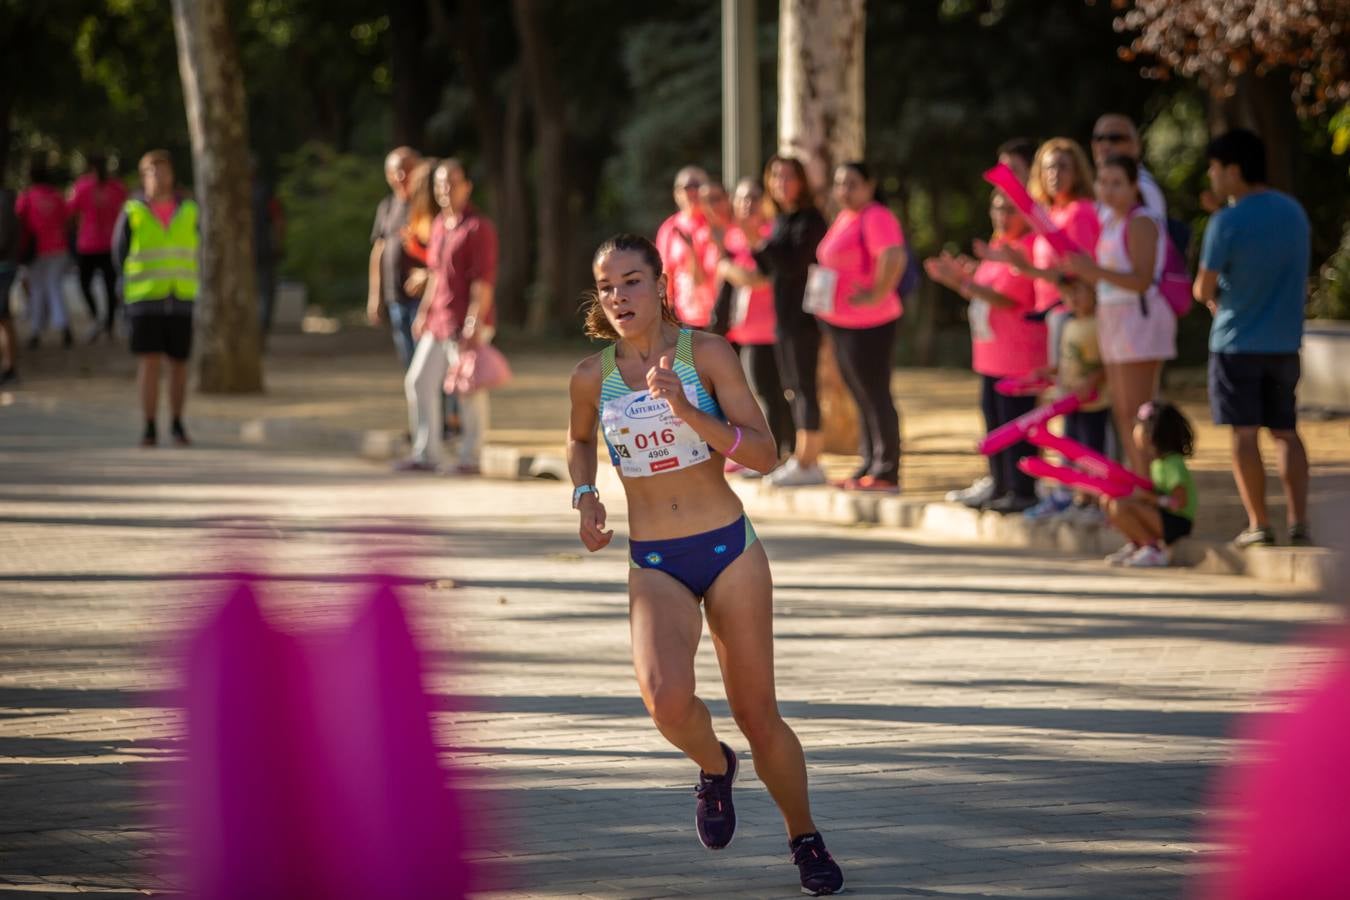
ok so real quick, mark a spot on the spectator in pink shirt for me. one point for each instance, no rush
(44, 215)
(95, 201)
(681, 241)
(1003, 342)
(865, 251)
(750, 317)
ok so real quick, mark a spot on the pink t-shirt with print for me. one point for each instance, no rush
(1079, 221)
(760, 323)
(1002, 341)
(44, 213)
(98, 204)
(851, 248)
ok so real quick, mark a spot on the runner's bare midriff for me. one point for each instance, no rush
(678, 504)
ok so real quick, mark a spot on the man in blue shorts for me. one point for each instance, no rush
(1253, 277)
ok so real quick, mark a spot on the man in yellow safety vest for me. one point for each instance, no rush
(155, 249)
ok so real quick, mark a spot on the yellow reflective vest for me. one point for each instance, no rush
(161, 262)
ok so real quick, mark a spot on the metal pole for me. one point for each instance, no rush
(740, 92)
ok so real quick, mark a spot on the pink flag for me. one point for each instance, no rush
(1090, 461)
(1039, 468)
(1005, 436)
(1003, 178)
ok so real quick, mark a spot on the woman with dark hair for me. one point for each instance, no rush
(864, 254)
(1136, 327)
(786, 256)
(96, 201)
(751, 322)
(45, 215)
(672, 405)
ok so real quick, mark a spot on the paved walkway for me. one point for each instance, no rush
(351, 380)
(978, 723)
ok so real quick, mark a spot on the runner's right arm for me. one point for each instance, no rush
(582, 448)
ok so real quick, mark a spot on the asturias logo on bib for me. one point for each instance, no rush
(645, 407)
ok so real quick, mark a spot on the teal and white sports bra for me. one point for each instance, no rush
(644, 437)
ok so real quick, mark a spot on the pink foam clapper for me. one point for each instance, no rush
(253, 778)
(1023, 386)
(1281, 825)
(1087, 459)
(1003, 178)
(1075, 478)
(1005, 436)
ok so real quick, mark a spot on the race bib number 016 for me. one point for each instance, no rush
(648, 438)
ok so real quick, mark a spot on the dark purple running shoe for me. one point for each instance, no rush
(819, 872)
(716, 816)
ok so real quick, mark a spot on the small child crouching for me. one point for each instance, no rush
(1152, 522)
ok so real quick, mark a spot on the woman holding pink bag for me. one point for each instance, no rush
(457, 316)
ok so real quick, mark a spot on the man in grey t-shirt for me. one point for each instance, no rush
(388, 269)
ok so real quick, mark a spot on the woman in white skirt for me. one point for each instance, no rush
(1135, 325)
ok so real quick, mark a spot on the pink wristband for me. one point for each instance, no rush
(735, 444)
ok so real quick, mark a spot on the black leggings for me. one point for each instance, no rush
(999, 410)
(761, 371)
(798, 354)
(99, 263)
(865, 361)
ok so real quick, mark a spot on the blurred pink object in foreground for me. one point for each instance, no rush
(1285, 826)
(311, 771)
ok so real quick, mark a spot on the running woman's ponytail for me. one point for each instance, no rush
(597, 325)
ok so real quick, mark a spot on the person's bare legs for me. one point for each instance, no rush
(1293, 466)
(147, 379)
(178, 377)
(665, 624)
(810, 444)
(1249, 471)
(1132, 384)
(740, 617)
(9, 343)
(1138, 521)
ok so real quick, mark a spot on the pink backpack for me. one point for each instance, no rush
(1174, 282)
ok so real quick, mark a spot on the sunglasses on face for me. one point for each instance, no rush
(1110, 137)
(691, 186)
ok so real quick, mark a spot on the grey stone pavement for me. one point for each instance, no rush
(978, 723)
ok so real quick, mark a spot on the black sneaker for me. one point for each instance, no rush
(150, 436)
(819, 872)
(1255, 537)
(1011, 504)
(9, 376)
(1299, 535)
(180, 434)
(716, 815)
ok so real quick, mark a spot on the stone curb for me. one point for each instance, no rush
(1312, 568)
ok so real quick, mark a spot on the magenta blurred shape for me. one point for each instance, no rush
(311, 770)
(1284, 821)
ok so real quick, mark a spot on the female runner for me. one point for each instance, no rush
(673, 404)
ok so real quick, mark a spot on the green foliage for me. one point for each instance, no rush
(1331, 298)
(330, 201)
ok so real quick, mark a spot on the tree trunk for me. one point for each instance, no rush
(820, 121)
(501, 138)
(416, 90)
(1262, 103)
(550, 295)
(820, 85)
(229, 359)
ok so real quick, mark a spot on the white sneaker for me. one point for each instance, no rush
(981, 490)
(1149, 557)
(1118, 558)
(794, 474)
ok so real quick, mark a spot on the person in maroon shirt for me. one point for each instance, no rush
(457, 312)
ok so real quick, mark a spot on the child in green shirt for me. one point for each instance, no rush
(1152, 522)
